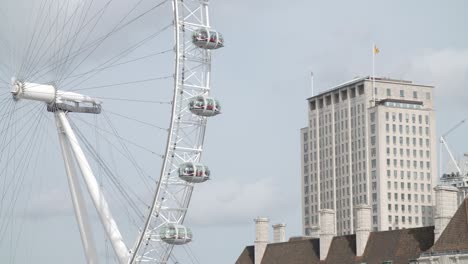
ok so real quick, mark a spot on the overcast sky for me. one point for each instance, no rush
(262, 79)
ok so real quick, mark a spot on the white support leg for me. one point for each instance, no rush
(97, 197)
(79, 205)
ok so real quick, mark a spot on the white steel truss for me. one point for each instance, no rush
(186, 134)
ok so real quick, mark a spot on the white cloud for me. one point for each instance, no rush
(233, 202)
(55, 203)
(447, 69)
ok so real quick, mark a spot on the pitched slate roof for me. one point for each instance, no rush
(342, 250)
(455, 235)
(247, 256)
(399, 246)
(293, 252)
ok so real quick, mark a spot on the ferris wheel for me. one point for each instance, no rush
(49, 81)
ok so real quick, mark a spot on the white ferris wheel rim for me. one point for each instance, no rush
(180, 24)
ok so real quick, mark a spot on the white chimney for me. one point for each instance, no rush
(327, 231)
(363, 227)
(315, 231)
(279, 233)
(261, 238)
(445, 208)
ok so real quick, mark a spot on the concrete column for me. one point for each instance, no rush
(327, 231)
(445, 208)
(279, 233)
(261, 238)
(363, 227)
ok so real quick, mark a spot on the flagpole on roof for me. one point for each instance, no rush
(375, 50)
(312, 82)
(373, 72)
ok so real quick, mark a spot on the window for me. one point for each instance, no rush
(402, 93)
(415, 95)
(372, 117)
(428, 95)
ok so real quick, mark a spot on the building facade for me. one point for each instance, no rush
(370, 146)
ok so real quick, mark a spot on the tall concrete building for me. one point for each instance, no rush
(370, 148)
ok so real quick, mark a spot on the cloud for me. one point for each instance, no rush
(52, 204)
(232, 202)
(447, 69)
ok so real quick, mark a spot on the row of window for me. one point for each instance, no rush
(409, 196)
(409, 208)
(408, 175)
(403, 105)
(402, 94)
(407, 129)
(401, 164)
(408, 141)
(408, 185)
(408, 153)
(403, 220)
(414, 118)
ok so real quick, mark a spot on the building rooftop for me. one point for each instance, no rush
(368, 78)
(399, 246)
(455, 235)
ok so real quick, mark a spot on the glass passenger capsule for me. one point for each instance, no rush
(175, 234)
(207, 39)
(204, 106)
(194, 172)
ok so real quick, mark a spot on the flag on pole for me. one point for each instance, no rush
(376, 50)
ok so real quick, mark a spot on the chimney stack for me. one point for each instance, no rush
(261, 238)
(315, 232)
(327, 231)
(446, 206)
(279, 234)
(363, 227)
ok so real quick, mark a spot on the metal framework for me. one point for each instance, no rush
(186, 135)
(184, 144)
